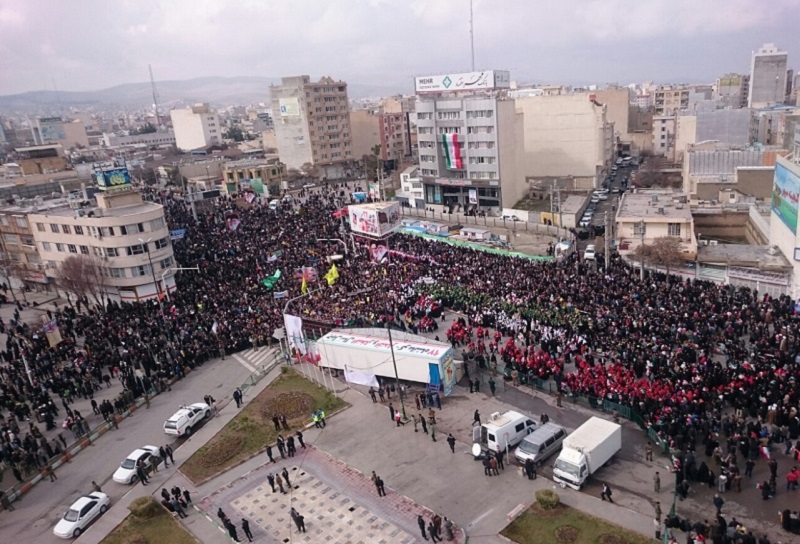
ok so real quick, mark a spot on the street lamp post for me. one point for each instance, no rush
(396, 376)
(153, 272)
(175, 268)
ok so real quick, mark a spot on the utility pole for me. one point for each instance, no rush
(155, 95)
(558, 200)
(641, 234)
(607, 234)
(471, 36)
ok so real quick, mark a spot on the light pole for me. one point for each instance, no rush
(152, 272)
(396, 376)
(697, 258)
(175, 268)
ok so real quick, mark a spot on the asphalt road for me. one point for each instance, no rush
(40, 509)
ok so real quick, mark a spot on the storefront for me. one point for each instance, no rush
(458, 196)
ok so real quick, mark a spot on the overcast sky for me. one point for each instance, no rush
(93, 44)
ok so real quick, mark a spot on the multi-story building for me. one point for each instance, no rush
(388, 131)
(411, 188)
(767, 76)
(41, 159)
(711, 166)
(647, 215)
(196, 127)
(724, 126)
(671, 98)
(125, 235)
(256, 174)
(152, 139)
(468, 134)
(365, 131)
(732, 89)
(21, 262)
(54, 130)
(664, 132)
(312, 124)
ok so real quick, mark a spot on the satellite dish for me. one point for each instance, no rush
(476, 450)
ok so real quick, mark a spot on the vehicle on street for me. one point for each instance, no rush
(616, 190)
(603, 196)
(585, 223)
(81, 514)
(589, 253)
(584, 451)
(503, 431)
(540, 444)
(274, 204)
(309, 185)
(126, 473)
(510, 218)
(185, 420)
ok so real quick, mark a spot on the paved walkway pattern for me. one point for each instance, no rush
(339, 503)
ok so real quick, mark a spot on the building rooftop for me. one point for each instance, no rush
(761, 257)
(120, 211)
(573, 204)
(654, 206)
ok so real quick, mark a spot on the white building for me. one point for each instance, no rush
(157, 139)
(196, 127)
(646, 215)
(783, 224)
(767, 76)
(411, 188)
(128, 236)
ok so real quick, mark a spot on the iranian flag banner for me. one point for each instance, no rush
(452, 151)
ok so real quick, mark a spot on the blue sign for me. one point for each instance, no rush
(177, 234)
(118, 178)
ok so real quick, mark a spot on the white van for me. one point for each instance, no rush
(540, 444)
(503, 431)
(185, 420)
(274, 204)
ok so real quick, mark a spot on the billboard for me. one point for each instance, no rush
(377, 219)
(117, 178)
(785, 196)
(289, 107)
(51, 131)
(468, 81)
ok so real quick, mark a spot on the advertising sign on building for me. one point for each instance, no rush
(113, 179)
(469, 81)
(785, 196)
(377, 219)
(473, 196)
(289, 107)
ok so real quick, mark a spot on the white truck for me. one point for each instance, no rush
(503, 431)
(586, 450)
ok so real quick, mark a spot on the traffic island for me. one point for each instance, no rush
(248, 434)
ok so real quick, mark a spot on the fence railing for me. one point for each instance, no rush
(497, 222)
(262, 370)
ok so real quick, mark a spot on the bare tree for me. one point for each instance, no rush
(665, 251)
(83, 276)
(13, 269)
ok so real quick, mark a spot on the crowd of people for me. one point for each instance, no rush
(678, 352)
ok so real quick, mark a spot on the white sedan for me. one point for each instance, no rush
(126, 473)
(589, 254)
(82, 512)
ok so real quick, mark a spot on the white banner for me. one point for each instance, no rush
(294, 332)
(473, 196)
(361, 378)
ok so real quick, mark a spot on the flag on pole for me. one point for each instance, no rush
(270, 281)
(214, 327)
(332, 275)
(452, 151)
(304, 286)
(280, 294)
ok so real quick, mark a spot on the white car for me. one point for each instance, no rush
(589, 253)
(510, 218)
(603, 196)
(126, 473)
(82, 512)
(585, 223)
(309, 185)
(184, 421)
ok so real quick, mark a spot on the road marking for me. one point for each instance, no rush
(243, 362)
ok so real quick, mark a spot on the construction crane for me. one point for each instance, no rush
(155, 95)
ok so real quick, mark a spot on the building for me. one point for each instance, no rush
(312, 125)
(54, 130)
(125, 235)
(645, 215)
(783, 218)
(264, 176)
(730, 127)
(20, 261)
(731, 90)
(767, 77)
(709, 167)
(566, 135)
(411, 188)
(152, 139)
(196, 127)
(664, 135)
(668, 99)
(469, 138)
(773, 125)
(388, 131)
(41, 159)
(365, 130)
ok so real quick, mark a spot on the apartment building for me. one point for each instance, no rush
(196, 127)
(373, 127)
(767, 76)
(312, 124)
(411, 189)
(20, 258)
(256, 174)
(152, 139)
(669, 99)
(126, 235)
(55, 130)
(646, 215)
(732, 89)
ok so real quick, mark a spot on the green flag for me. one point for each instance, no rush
(270, 281)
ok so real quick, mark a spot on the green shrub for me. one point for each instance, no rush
(145, 507)
(547, 499)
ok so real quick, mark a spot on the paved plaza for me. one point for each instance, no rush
(339, 503)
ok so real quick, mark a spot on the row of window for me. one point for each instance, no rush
(482, 160)
(138, 271)
(135, 228)
(137, 249)
(20, 220)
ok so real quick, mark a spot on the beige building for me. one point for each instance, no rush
(565, 135)
(646, 215)
(128, 236)
(312, 124)
(270, 171)
(196, 127)
(366, 131)
(664, 135)
(388, 131)
(669, 99)
(54, 130)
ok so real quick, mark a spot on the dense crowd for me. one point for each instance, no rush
(676, 351)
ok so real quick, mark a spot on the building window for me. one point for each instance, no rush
(450, 130)
(166, 263)
(21, 223)
(79, 230)
(14, 256)
(65, 228)
(34, 258)
(12, 238)
(40, 227)
(674, 229)
(60, 247)
(162, 243)
(27, 241)
(136, 228)
(111, 252)
(54, 228)
(143, 270)
(107, 231)
(425, 130)
(84, 250)
(448, 115)
(116, 272)
(46, 246)
(72, 248)
(137, 249)
(424, 115)
(640, 228)
(4, 220)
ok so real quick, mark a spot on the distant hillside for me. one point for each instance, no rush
(216, 90)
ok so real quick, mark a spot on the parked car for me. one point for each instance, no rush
(126, 473)
(185, 420)
(585, 223)
(603, 196)
(309, 185)
(81, 514)
(510, 218)
(589, 253)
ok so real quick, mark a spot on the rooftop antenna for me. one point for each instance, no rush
(471, 35)
(155, 95)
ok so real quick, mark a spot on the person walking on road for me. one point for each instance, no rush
(300, 439)
(269, 454)
(279, 481)
(372, 394)
(96, 488)
(285, 474)
(530, 469)
(718, 503)
(176, 505)
(606, 493)
(271, 480)
(140, 472)
(658, 511)
(379, 486)
(433, 431)
(398, 418)
(451, 441)
(424, 424)
(421, 523)
(168, 450)
(237, 396)
(657, 482)
(163, 453)
(476, 418)
(391, 412)
(246, 529)
(648, 452)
